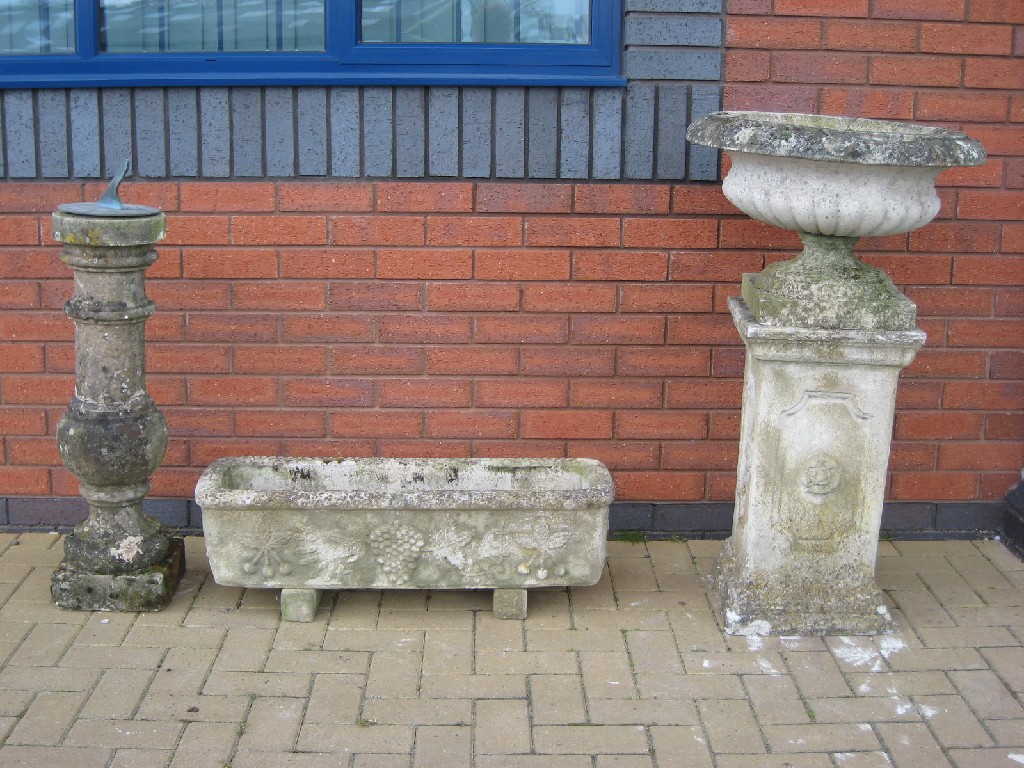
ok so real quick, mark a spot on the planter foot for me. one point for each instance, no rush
(299, 604)
(510, 603)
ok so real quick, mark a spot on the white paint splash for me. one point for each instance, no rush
(856, 656)
(888, 645)
(754, 642)
(1016, 758)
(902, 706)
(128, 549)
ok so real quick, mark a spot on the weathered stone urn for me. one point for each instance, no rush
(304, 525)
(826, 338)
(112, 436)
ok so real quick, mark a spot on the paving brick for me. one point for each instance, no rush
(624, 761)
(206, 745)
(986, 694)
(13, 704)
(599, 596)
(575, 640)
(965, 637)
(912, 745)
(632, 573)
(448, 652)
(381, 761)
(56, 757)
(115, 734)
(106, 629)
(272, 725)
(319, 661)
(681, 747)
(921, 608)
(534, 761)
(900, 684)
(662, 686)
(840, 737)
(815, 760)
(731, 727)
(184, 670)
(45, 645)
(363, 737)
(48, 678)
(607, 675)
(556, 700)
(118, 694)
(258, 684)
(474, 686)
(406, 641)
(766, 663)
(424, 620)
(525, 662)
(188, 708)
(936, 659)
(498, 634)
(394, 711)
(952, 722)
(1008, 663)
(642, 712)
(589, 739)
(443, 746)
(47, 719)
(816, 675)
(1006, 732)
(141, 758)
(893, 708)
(502, 727)
(283, 760)
(653, 652)
(394, 675)
(696, 630)
(107, 657)
(775, 700)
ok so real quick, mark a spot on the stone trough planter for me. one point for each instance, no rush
(306, 525)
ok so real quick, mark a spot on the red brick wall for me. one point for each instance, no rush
(554, 319)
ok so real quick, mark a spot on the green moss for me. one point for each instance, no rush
(635, 536)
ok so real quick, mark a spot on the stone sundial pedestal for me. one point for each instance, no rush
(826, 338)
(112, 436)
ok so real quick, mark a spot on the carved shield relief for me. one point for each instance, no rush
(823, 444)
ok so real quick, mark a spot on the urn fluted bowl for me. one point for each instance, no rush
(836, 176)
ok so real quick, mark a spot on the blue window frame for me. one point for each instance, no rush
(86, 43)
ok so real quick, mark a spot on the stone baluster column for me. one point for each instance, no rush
(112, 436)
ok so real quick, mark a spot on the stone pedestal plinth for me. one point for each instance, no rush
(112, 436)
(814, 446)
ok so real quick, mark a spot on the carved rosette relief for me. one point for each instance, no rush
(820, 449)
(822, 476)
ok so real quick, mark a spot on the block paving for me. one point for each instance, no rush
(633, 672)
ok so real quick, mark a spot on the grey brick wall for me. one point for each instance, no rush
(658, 520)
(672, 56)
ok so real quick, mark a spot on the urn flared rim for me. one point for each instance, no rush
(837, 139)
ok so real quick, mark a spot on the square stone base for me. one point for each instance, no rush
(147, 591)
(755, 605)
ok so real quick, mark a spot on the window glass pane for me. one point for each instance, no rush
(184, 26)
(476, 21)
(29, 27)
